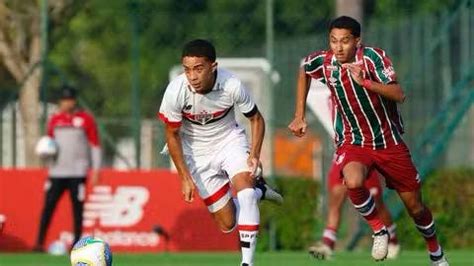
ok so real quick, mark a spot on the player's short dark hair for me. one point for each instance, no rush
(345, 22)
(68, 92)
(199, 48)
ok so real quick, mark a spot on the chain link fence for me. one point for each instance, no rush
(430, 53)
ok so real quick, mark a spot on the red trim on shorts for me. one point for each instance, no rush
(247, 227)
(217, 195)
(163, 118)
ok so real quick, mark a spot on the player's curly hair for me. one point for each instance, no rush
(199, 48)
(345, 22)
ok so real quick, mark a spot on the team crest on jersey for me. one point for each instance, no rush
(77, 121)
(203, 117)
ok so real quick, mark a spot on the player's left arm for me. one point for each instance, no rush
(384, 81)
(392, 91)
(257, 124)
(257, 128)
(92, 134)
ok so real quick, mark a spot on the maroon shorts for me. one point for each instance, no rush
(372, 183)
(394, 163)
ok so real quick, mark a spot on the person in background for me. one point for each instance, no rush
(75, 133)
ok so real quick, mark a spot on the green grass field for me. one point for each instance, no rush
(407, 258)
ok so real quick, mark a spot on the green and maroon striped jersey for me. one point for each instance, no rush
(361, 117)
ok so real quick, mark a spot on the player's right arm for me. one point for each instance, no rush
(170, 114)
(298, 125)
(311, 68)
(173, 140)
(92, 134)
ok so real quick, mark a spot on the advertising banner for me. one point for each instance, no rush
(139, 211)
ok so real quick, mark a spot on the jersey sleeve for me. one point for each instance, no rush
(93, 138)
(380, 66)
(50, 126)
(170, 109)
(92, 132)
(313, 65)
(244, 101)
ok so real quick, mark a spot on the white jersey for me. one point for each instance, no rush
(207, 120)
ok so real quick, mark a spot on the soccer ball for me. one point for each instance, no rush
(90, 251)
(46, 147)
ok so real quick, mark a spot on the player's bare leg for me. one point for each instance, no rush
(324, 248)
(226, 217)
(424, 222)
(386, 217)
(355, 174)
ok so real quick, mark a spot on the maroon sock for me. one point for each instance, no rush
(425, 224)
(365, 205)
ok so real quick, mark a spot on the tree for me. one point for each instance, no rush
(21, 51)
(96, 53)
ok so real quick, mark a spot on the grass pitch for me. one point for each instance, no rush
(407, 258)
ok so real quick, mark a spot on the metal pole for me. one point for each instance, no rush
(270, 39)
(135, 81)
(13, 135)
(355, 9)
(269, 43)
(44, 56)
(352, 8)
(1, 136)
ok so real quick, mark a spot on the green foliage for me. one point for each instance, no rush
(93, 49)
(296, 220)
(450, 196)
(390, 9)
(94, 52)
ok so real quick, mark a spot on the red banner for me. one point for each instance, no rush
(131, 210)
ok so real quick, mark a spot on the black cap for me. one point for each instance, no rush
(68, 92)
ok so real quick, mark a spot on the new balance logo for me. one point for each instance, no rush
(120, 209)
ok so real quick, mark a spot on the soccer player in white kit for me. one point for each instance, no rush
(208, 147)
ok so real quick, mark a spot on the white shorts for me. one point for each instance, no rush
(211, 173)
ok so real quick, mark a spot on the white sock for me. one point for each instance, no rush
(247, 223)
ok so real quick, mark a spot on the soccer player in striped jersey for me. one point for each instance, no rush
(210, 150)
(365, 90)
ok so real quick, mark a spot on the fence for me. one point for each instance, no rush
(120, 79)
